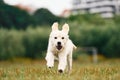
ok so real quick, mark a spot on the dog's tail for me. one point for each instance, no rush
(74, 47)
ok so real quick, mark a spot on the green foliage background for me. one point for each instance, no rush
(30, 43)
(44, 17)
(24, 35)
(13, 17)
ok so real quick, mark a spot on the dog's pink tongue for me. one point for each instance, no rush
(59, 47)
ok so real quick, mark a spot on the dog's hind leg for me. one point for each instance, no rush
(69, 62)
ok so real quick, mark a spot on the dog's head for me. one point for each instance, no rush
(58, 37)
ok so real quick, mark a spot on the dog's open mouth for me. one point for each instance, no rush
(59, 47)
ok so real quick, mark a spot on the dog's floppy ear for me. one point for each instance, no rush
(65, 28)
(55, 26)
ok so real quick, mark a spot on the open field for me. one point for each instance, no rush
(36, 70)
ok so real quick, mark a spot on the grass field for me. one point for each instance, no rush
(36, 70)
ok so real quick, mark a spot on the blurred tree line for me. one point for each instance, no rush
(13, 17)
(94, 31)
(87, 30)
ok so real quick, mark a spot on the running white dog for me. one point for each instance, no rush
(60, 46)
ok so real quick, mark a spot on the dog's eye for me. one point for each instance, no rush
(55, 37)
(62, 37)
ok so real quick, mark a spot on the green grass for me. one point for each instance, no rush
(36, 70)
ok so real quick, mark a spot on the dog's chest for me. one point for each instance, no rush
(55, 53)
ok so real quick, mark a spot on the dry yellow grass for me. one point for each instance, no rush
(36, 70)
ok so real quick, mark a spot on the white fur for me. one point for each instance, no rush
(62, 51)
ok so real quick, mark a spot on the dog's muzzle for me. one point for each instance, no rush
(59, 46)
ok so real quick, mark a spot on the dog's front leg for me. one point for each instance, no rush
(50, 59)
(62, 63)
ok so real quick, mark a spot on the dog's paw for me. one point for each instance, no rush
(50, 67)
(60, 71)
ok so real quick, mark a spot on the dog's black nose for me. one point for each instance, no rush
(59, 43)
